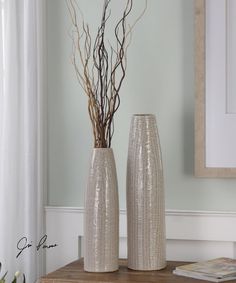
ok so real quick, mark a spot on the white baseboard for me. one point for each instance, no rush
(191, 235)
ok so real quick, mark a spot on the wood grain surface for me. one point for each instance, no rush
(74, 273)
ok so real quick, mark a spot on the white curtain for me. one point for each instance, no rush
(21, 136)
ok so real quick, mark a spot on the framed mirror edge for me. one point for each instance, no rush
(200, 145)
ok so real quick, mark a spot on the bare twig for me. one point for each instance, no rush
(101, 70)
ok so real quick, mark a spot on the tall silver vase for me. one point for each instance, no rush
(101, 214)
(145, 196)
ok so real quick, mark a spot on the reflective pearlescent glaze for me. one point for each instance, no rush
(145, 196)
(101, 214)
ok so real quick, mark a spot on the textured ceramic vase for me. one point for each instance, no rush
(145, 196)
(101, 214)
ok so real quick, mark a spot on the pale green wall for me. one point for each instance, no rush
(160, 80)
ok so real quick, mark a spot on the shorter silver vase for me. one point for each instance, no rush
(145, 196)
(101, 223)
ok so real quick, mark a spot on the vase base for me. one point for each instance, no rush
(147, 269)
(101, 271)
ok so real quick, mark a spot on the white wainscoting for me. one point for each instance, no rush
(191, 235)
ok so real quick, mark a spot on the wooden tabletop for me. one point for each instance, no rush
(74, 273)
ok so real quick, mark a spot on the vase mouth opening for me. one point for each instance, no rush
(143, 115)
(102, 148)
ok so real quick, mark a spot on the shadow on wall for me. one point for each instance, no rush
(69, 127)
(188, 85)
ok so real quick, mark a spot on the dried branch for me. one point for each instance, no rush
(100, 67)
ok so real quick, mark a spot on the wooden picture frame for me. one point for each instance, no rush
(201, 169)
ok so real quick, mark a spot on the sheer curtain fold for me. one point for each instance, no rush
(1, 65)
(21, 136)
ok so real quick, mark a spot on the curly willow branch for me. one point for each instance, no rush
(101, 70)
